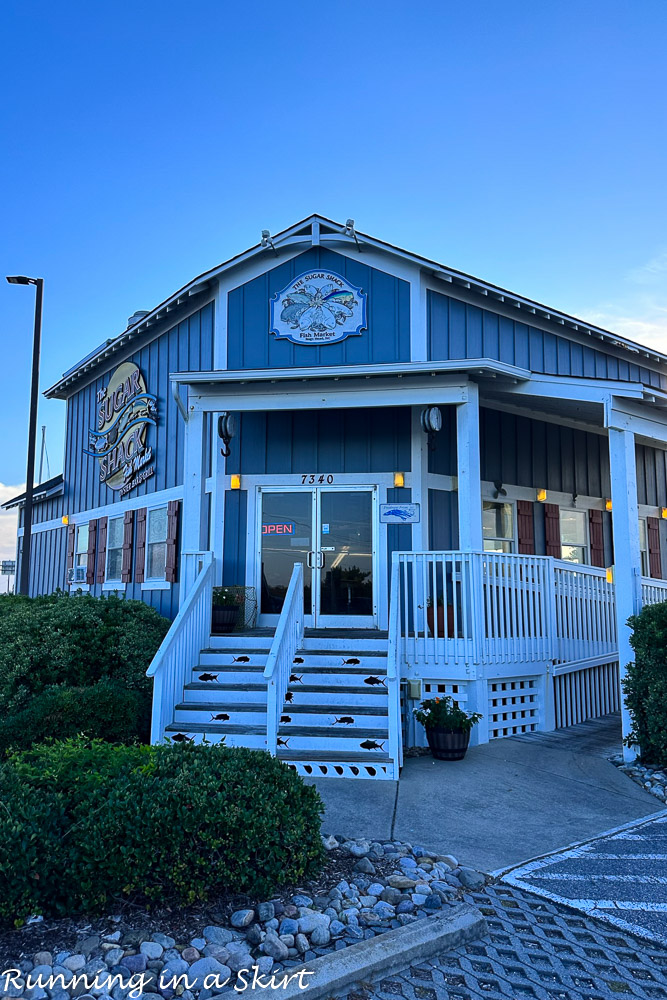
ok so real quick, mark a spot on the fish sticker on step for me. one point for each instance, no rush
(283, 742)
(182, 738)
(345, 720)
(372, 745)
(208, 677)
(285, 718)
(240, 659)
(352, 662)
(298, 659)
(373, 681)
(289, 696)
(222, 717)
(296, 678)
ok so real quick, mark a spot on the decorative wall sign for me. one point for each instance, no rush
(399, 513)
(119, 439)
(318, 307)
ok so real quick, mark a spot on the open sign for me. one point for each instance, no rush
(280, 528)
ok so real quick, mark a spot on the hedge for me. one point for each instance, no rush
(89, 823)
(645, 684)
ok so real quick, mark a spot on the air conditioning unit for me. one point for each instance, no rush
(76, 574)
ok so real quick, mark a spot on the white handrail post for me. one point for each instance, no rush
(394, 667)
(286, 640)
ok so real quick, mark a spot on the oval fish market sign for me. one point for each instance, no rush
(119, 439)
(318, 307)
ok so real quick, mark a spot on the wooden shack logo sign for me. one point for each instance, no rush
(119, 439)
(318, 307)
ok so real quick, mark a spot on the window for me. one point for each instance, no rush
(498, 526)
(643, 547)
(81, 551)
(573, 537)
(156, 544)
(115, 533)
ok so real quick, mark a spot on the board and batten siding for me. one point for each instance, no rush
(387, 339)
(44, 510)
(458, 329)
(188, 346)
(48, 551)
(322, 441)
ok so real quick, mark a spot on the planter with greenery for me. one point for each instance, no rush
(447, 727)
(645, 684)
(228, 606)
(437, 615)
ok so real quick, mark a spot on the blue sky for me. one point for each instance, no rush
(144, 142)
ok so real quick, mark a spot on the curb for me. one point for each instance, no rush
(385, 953)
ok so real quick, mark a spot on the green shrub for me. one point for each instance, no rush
(76, 641)
(107, 710)
(645, 684)
(88, 823)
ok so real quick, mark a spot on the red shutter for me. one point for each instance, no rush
(172, 540)
(126, 564)
(596, 537)
(552, 529)
(140, 547)
(90, 563)
(654, 560)
(101, 549)
(71, 538)
(524, 509)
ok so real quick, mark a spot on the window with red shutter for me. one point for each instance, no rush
(552, 529)
(71, 538)
(171, 560)
(90, 556)
(525, 527)
(596, 538)
(101, 548)
(140, 546)
(654, 558)
(128, 531)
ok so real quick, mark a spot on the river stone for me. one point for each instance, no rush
(199, 943)
(309, 921)
(401, 882)
(448, 859)
(264, 964)
(88, 945)
(472, 879)
(405, 906)
(385, 911)
(135, 963)
(358, 850)
(242, 960)
(217, 935)
(320, 936)
(42, 958)
(301, 943)
(74, 963)
(266, 911)
(207, 967)
(242, 918)
(433, 902)
(274, 947)
(364, 866)
(164, 940)
(254, 935)
(113, 956)
(151, 949)
(289, 926)
(191, 954)
(301, 900)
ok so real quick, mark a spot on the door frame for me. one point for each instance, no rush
(315, 619)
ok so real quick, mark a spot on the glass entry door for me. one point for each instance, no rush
(330, 531)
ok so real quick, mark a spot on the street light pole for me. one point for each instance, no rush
(24, 577)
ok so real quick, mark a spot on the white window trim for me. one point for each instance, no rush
(587, 534)
(515, 523)
(112, 584)
(155, 582)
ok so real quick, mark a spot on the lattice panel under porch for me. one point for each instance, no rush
(513, 707)
(441, 689)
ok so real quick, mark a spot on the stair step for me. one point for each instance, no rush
(340, 669)
(333, 756)
(206, 706)
(237, 651)
(213, 727)
(314, 709)
(328, 732)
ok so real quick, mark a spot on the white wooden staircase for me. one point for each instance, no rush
(335, 715)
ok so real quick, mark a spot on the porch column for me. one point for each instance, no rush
(469, 471)
(194, 484)
(627, 559)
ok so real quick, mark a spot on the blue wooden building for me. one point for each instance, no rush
(428, 483)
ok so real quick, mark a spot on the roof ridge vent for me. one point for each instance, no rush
(136, 317)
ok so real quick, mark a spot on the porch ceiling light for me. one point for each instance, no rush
(399, 479)
(541, 496)
(235, 482)
(607, 504)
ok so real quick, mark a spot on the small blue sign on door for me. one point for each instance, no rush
(399, 513)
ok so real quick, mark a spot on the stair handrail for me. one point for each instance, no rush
(181, 646)
(286, 641)
(394, 639)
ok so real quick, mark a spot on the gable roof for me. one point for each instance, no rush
(50, 488)
(316, 229)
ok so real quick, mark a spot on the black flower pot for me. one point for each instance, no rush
(448, 744)
(225, 618)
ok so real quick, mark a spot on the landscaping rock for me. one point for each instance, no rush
(151, 949)
(266, 911)
(365, 866)
(472, 879)
(242, 918)
(136, 963)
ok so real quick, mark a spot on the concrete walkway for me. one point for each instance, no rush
(508, 801)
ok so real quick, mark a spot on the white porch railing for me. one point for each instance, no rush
(394, 651)
(180, 648)
(464, 608)
(653, 591)
(585, 613)
(286, 641)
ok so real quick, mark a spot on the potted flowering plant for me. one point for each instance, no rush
(227, 608)
(431, 617)
(447, 727)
